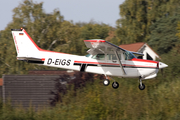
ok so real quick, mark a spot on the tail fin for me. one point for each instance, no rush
(24, 44)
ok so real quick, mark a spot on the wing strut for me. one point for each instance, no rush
(120, 64)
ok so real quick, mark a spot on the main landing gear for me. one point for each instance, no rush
(106, 82)
(115, 84)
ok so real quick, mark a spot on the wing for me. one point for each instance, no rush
(98, 46)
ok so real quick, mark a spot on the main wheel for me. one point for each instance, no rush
(106, 82)
(115, 85)
(142, 87)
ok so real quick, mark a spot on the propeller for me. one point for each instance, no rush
(162, 72)
(161, 66)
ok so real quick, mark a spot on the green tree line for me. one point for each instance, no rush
(137, 16)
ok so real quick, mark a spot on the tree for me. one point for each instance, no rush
(94, 31)
(138, 15)
(42, 27)
(70, 34)
(163, 34)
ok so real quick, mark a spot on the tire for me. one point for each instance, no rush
(142, 87)
(115, 85)
(106, 82)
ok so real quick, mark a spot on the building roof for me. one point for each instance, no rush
(1, 81)
(132, 47)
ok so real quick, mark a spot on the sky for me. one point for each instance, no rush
(100, 11)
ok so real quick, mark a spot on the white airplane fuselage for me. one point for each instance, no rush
(28, 51)
(133, 68)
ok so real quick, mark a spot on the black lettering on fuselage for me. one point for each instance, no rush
(49, 61)
(68, 62)
(63, 62)
(59, 62)
(56, 62)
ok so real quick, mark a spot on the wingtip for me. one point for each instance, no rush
(95, 40)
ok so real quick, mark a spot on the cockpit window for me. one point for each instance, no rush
(113, 57)
(99, 57)
(128, 55)
(88, 55)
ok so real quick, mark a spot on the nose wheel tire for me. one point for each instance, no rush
(106, 82)
(115, 85)
(142, 87)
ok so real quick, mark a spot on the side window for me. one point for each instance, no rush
(99, 57)
(113, 56)
(119, 55)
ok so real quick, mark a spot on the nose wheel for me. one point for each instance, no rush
(141, 85)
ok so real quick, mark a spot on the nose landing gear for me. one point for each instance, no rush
(141, 85)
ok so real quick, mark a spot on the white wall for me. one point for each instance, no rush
(150, 52)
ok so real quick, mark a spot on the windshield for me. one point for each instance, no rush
(88, 55)
(128, 55)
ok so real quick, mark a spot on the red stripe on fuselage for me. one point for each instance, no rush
(43, 59)
(128, 65)
(142, 60)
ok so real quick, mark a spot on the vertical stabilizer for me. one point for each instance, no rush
(25, 46)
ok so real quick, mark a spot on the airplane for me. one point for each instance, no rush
(103, 58)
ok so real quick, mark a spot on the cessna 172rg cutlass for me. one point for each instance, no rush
(103, 58)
